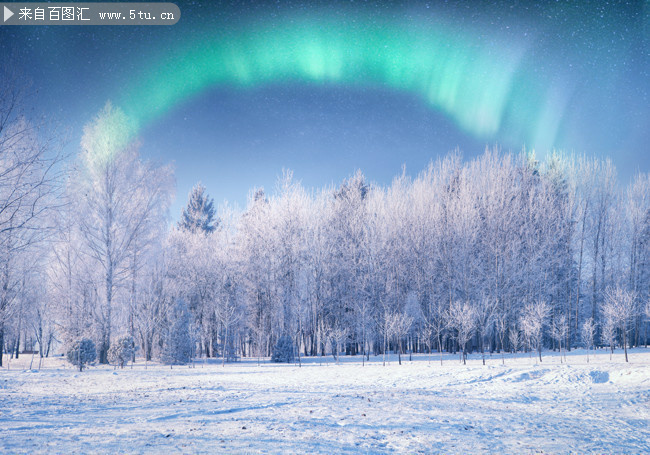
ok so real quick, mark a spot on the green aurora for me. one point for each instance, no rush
(481, 85)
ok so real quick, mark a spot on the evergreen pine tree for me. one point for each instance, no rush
(177, 349)
(199, 214)
(283, 352)
(82, 352)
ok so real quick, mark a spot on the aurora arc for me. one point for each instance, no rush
(480, 85)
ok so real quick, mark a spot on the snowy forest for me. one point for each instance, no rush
(502, 252)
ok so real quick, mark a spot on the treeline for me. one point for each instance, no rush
(501, 252)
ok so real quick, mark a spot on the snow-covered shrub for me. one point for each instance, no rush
(177, 349)
(122, 351)
(82, 352)
(283, 350)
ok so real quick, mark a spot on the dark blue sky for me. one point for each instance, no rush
(594, 55)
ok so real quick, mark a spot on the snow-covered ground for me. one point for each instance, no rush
(420, 406)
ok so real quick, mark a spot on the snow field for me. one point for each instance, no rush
(419, 407)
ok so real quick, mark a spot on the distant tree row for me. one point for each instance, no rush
(498, 253)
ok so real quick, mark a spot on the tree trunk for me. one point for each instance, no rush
(582, 240)
(482, 348)
(225, 347)
(384, 353)
(17, 346)
(595, 272)
(106, 336)
(2, 343)
(399, 352)
(40, 339)
(625, 341)
(49, 345)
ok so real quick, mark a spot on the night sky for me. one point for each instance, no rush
(237, 91)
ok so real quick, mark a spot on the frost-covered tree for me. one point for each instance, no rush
(228, 313)
(28, 190)
(559, 331)
(196, 274)
(69, 277)
(514, 338)
(387, 327)
(118, 199)
(485, 314)
(533, 320)
(154, 298)
(588, 333)
(348, 236)
(338, 336)
(199, 213)
(402, 325)
(608, 328)
(276, 284)
(638, 216)
(122, 351)
(177, 348)
(461, 319)
(501, 327)
(603, 187)
(256, 255)
(637, 219)
(436, 320)
(618, 312)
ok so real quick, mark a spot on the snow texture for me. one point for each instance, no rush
(419, 407)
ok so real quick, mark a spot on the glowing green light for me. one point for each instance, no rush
(471, 81)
